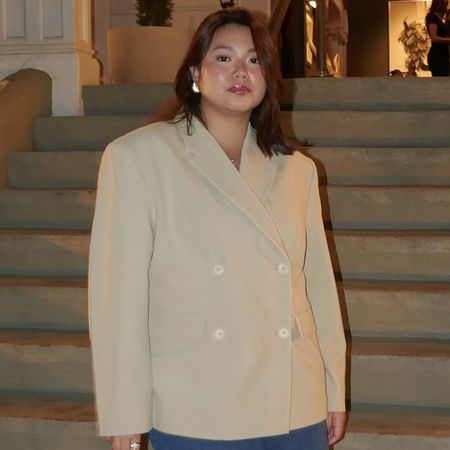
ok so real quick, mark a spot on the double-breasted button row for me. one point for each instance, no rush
(219, 333)
(282, 268)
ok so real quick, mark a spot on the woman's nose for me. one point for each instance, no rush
(240, 71)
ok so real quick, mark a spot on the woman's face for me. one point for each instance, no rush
(230, 78)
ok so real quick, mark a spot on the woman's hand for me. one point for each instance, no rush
(336, 424)
(432, 31)
(123, 442)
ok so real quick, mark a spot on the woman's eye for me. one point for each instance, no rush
(254, 60)
(223, 58)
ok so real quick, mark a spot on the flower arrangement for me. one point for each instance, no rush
(416, 44)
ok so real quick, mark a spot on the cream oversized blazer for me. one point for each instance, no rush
(213, 306)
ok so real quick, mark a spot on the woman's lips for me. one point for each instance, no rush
(239, 89)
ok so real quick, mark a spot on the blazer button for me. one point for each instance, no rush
(283, 333)
(219, 334)
(219, 269)
(282, 268)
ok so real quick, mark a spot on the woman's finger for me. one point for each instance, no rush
(336, 424)
(124, 442)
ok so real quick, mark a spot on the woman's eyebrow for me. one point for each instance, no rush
(231, 49)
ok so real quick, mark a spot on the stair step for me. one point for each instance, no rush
(387, 207)
(346, 207)
(47, 406)
(53, 170)
(82, 133)
(43, 303)
(387, 93)
(382, 165)
(383, 93)
(419, 256)
(50, 422)
(54, 209)
(126, 99)
(336, 165)
(399, 420)
(392, 370)
(369, 308)
(398, 255)
(382, 370)
(329, 128)
(44, 253)
(382, 427)
(368, 128)
(45, 361)
(67, 421)
(396, 309)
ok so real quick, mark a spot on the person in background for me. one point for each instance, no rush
(213, 310)
(447, 23)
(438, 56)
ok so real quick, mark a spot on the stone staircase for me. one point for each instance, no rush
(382, 147)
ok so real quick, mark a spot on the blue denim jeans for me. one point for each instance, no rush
(313, 437)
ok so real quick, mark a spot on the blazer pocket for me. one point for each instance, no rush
(172, 332)
(304, 324)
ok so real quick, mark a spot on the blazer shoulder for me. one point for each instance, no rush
(304, 161)
(301, 164)
(149, 139)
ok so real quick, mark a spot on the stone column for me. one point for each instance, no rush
(53, 36)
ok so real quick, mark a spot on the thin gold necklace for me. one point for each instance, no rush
(235, 162)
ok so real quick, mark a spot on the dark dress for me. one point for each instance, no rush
(438, 57)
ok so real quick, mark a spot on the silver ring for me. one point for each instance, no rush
(135, 445)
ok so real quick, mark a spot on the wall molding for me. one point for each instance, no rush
(46, 48)
(14, 22)
(51, 13)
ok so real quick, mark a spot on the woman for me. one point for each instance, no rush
(209, 268)
(438, 56)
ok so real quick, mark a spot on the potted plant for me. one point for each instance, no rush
(416, 44)
(226, 4)
(154, 12)
(150, 52)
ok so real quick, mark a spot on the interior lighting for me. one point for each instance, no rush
(313, 4)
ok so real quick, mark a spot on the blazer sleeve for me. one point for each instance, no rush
(118, 292)
(322, 294)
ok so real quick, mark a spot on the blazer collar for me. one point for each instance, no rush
(248, 188)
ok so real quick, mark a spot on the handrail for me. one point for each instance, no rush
(26, 95)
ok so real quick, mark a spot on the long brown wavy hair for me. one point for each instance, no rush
(438, 7)
(265, 118)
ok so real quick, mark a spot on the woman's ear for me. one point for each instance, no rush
(195, 73)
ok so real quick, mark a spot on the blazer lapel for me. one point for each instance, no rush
(256, 169)
(247, 189)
